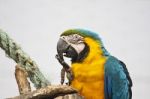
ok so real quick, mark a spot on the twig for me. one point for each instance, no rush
(21, 78)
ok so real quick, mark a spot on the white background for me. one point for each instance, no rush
(123, 25)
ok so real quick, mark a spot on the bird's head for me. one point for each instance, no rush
(78, 43)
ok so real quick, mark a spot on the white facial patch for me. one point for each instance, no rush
(78, 47)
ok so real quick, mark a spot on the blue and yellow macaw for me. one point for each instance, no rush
(95, 73)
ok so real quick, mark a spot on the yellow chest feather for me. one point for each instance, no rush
(89, 74)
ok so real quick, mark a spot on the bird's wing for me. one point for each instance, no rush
(117, 80)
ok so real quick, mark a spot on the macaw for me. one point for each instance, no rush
(95, 73)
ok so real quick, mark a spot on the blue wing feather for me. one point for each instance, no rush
(117, 82)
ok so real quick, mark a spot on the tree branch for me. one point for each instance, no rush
(49, 92)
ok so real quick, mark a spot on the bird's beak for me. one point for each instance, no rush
(61, 47)
(65, 49)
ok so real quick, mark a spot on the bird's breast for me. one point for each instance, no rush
(89, 78)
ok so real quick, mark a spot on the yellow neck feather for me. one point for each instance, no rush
(95, 50)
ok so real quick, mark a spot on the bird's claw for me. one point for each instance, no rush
(66, 68)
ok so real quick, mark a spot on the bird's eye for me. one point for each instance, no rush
(76, 36)
(74, 39)
(63, 37)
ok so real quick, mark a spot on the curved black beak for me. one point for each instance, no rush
(62, 46)
(65, 49)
